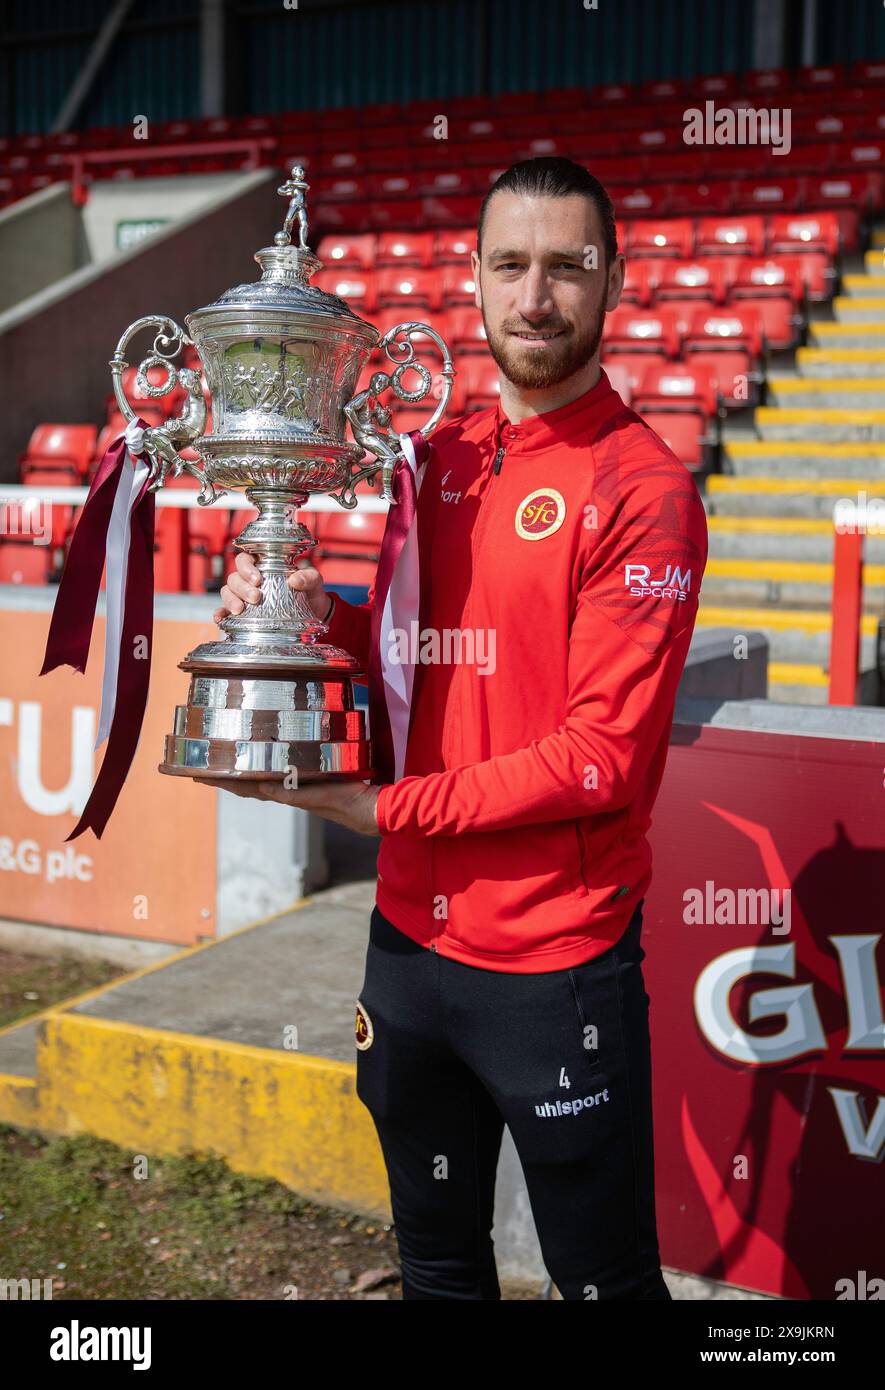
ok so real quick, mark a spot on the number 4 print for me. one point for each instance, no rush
(563, 1079)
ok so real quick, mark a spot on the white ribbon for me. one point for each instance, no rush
(400, 609)
(116, 567)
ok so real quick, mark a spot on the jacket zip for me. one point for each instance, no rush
(496, 469)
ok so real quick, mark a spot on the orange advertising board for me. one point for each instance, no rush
(152, 874)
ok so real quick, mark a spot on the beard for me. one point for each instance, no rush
(534, 368)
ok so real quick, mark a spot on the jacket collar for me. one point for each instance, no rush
(553, 427)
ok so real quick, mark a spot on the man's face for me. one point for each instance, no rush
(542, 306)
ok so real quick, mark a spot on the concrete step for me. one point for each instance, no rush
(825, 425)
(859, 308)
(837, 363)
(757, 458)
(847, 335)
(786, 539)
(794, 635)
(800, 497)
(822, 393)
(862, 286)
(798, 689)
(770, 581)
(798, 684)
(874, 263)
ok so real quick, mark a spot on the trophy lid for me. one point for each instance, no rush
(286, 271)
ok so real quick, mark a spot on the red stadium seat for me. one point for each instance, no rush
(65, 450)
(454, 244)
(727, 343)
(447, 210)
(408, 248)
(678, 402)
(651, 331)
(642, 201)
(684, 280)
(464, 330)
(457, 284)
(661, 237)
(61, 512)
(480, 383)
(672, 166)
(820, 78)
(774, 290)
(22, 561)
(348, 545)
(813, 269)
(765, 80)
(866, 157)
(405, 286)
(773, 192)
(740, 235)
(704, 198)
(401, 182)
(398, 213)
(804, 231)
(348, 251)
(447, 182)
(335, 162)
(338, 188)
(359, 290)
(639, 281)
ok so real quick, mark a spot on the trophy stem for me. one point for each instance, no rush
(278, 539)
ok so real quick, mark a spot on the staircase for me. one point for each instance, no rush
(820, 437)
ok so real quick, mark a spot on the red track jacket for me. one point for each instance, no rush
(567, 551)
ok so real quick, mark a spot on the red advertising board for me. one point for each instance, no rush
(766, 1011)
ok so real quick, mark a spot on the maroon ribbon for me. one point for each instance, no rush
(400, 516)
(73, 617)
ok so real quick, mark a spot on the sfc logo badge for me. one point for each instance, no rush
(540, 514)
(365, 1033)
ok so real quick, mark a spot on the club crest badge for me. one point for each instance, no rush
(365, 1033)
(540, 514)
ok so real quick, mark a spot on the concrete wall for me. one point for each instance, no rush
(137, 200)
(41, 241)
(55, 346)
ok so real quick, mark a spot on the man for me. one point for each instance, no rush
(503, 979)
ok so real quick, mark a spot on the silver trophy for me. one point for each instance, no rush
(271, 700)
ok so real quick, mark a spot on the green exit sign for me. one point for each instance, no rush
(130, 233)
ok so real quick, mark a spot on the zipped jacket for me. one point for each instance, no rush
(560, 561)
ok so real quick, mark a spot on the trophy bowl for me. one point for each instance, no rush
(270, 700)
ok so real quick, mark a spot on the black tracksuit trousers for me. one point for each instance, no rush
(562, 1058)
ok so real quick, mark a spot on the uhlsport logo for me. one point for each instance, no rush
(672, 584)
(540, 514)
(365, 1033)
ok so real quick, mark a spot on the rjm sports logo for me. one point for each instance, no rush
(673, 584)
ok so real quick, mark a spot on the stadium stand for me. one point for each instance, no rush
(751, 332)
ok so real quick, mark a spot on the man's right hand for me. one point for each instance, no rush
(243, 586)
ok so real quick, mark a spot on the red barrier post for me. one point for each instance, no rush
(847, 608)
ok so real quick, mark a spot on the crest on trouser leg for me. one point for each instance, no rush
(363, 1029)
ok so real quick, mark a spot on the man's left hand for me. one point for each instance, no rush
(351, 804)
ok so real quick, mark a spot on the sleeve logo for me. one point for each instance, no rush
(673, 584)
(540, 514)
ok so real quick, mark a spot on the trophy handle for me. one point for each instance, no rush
(163, 442)
(368, 420)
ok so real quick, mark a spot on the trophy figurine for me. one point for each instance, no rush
(281, 357)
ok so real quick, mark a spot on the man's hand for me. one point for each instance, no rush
(351, 804)
(244, 586)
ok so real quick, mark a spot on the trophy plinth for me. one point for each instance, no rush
(281, 357)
